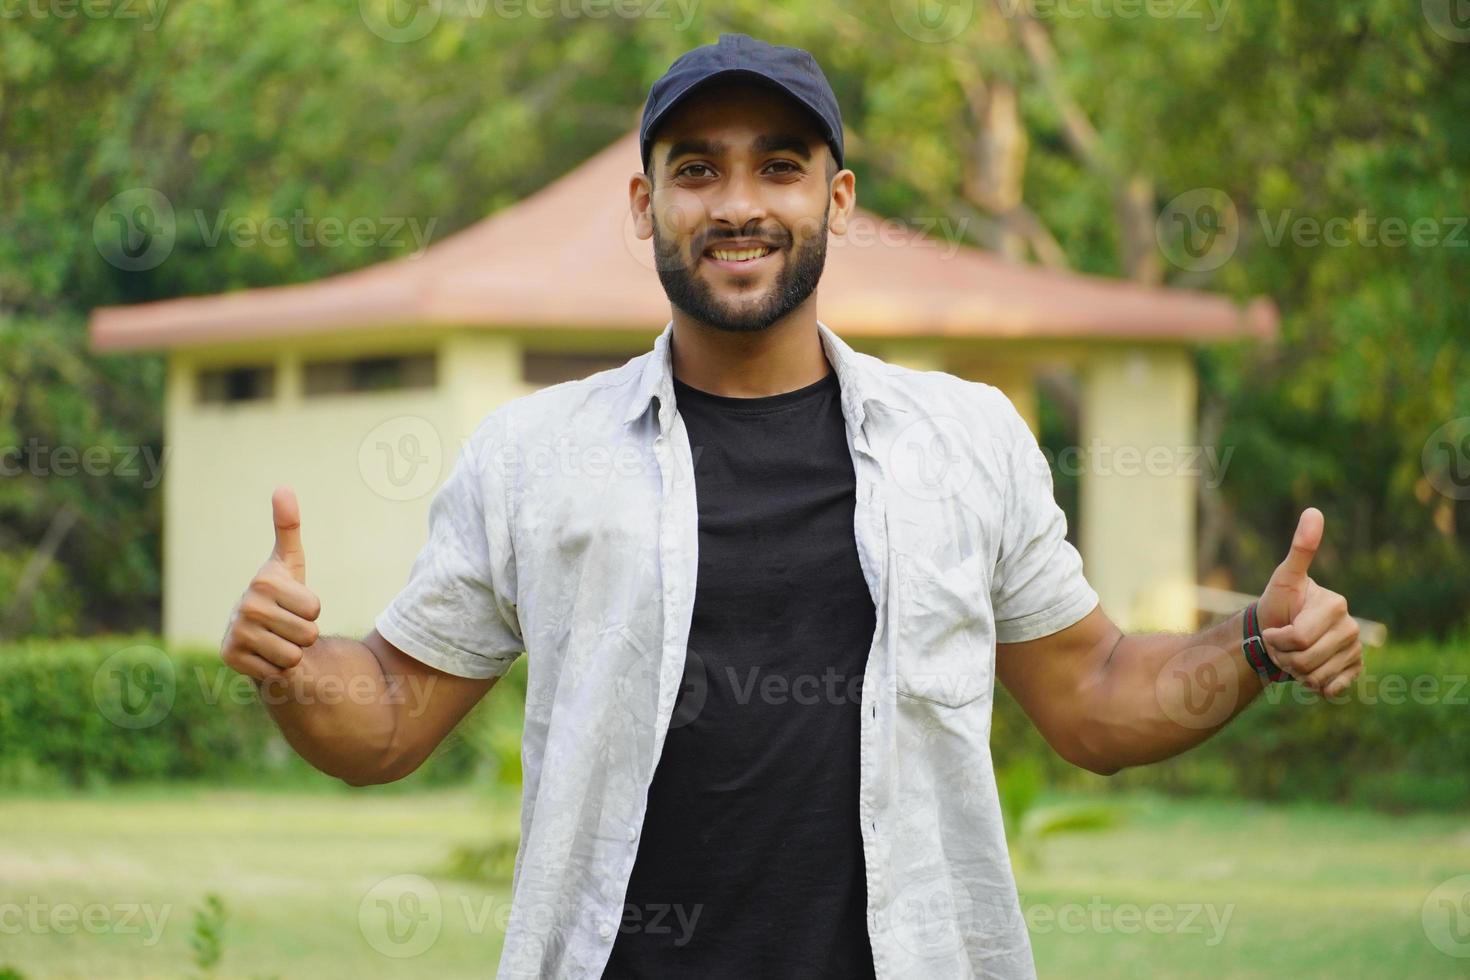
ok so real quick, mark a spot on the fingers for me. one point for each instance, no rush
(273, 624)
(282, 622)
(1304, 543)
(251, 664)
(1345, 679)
(1336, 665)
(270, 647)
(1322, 611)
(286, 515)
(288, 594)
(1304, 664)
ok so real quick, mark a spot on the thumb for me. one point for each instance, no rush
(286, 515)
(1304, 546)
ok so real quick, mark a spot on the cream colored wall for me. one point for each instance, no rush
(1138, 518)
(365, 502)
(1010, 374)
(364, 467)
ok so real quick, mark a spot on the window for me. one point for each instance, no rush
(554, 367)
(231, 385)
(359, 374)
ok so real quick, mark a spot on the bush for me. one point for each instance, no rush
(85, 712)
(1399, 742)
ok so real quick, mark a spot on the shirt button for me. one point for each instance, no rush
(632, 834)
(605, 930)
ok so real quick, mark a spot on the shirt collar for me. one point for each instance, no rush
(857, 385)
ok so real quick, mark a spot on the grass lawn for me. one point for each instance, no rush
(301, 875)
(106, 885)
(1272, 891)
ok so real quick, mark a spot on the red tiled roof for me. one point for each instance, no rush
(567, 257)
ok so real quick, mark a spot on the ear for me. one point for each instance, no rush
(640, 203)
(844, 200)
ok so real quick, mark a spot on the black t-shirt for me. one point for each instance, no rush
(750, 862)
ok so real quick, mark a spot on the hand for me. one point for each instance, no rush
(1307, 629)
(275, 620)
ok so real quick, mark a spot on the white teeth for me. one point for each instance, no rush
(740, 255)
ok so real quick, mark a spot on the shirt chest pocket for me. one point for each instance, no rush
(945, 646)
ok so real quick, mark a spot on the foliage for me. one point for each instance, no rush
(122, 709)
(492, 737)
(1398, 743)
(80, 459)
(1294, 111)
(1028, 823)
(208, 936)
(492, 862)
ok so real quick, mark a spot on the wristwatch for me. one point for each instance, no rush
(1255, 650)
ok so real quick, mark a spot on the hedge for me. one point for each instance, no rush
(67, 717)
(1400, 741)
(121, 709)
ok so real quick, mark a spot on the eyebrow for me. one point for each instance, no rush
(769, 143)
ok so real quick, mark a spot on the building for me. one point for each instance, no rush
(357, 390)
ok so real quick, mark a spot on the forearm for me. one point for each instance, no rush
(333, 708)
(1156, 695)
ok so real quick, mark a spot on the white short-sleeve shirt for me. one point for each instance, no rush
(568, 530)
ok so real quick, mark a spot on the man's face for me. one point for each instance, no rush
(739, 208)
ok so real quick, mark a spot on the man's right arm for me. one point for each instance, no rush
(363, 711)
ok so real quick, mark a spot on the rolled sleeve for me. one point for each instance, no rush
(1038, 587)
(458, 611)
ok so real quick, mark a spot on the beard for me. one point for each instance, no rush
(796, 280)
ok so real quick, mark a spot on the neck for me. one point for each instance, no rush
(783, 357)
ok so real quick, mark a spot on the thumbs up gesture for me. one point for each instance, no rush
(1307, 629)
(275, 620)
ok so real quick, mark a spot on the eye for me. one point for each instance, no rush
(792, 167)
(684, 170)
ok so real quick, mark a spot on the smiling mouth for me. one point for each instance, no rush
(738, 258)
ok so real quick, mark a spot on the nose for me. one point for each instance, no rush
(738, 201)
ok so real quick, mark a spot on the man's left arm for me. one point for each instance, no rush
(1106, 700)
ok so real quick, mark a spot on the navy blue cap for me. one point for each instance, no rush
(791, 70)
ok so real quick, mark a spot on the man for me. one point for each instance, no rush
(762, 643)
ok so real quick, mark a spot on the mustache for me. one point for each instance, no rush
(776, 238)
